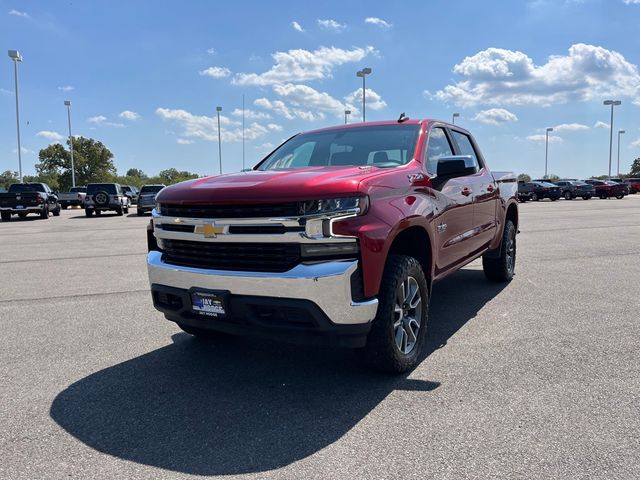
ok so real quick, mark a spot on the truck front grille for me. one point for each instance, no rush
(291, 209)
(256, 257)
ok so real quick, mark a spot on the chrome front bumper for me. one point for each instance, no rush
(326, 284)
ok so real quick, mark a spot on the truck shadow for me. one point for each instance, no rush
(242, 405)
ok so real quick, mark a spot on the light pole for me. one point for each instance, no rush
(73, 170)
(218, 110)
(546, 150)
(620, 132)
(453, 118)
(363, 73)
(346, 114)
(16, 57)
(613, 103)
(243, 131)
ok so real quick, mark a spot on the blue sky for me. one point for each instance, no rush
(145, 77)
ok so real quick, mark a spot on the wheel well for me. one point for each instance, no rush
(512, 214)
(414, 242)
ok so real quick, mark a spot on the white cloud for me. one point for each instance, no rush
(542, 138)
(330, 24)
(296, 26)
(102, 120)
(206, 128)
(5, 92)
(129, 115)
(373, 100)
(184, 141)
(631, 2)
(216, 72)
(378, 22)
(98, 119)
(635, 144)
(306, 97)
(600, 124)
(250, 114)
(301, 65)
(265, 146)
(570, 127)
(500, 76)
(277, 106)
(50, 135)
(66, 88)
(18, 13)
(24, 150)
(495, 116)
(211, 51)
(274, 127)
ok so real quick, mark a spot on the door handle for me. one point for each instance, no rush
(490, 188)
(466, 191)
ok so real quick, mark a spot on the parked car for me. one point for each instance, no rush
(24, 198)
(607, 188)
(538, 191)
(571, 189)
(131, 192)
(335, 237)
(102, 197)
(147, 198)
(634, 184)
(73, 198)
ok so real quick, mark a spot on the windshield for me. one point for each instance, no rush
(25, 187)
(547, 184)
(379, 146)
(94, 188)
(151, 189)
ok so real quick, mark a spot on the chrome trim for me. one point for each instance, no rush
(327, 284)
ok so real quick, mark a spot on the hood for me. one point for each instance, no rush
(269, 186)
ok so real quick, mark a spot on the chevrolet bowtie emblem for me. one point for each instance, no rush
(209, 230)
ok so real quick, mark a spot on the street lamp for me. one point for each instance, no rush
(73, 170)
(218, 110)
(620, 132)
(453, 118)
(346, 114)
(546, 150)
(16, 57)
(363, 73)
(613, 103)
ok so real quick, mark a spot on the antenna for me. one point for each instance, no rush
(402, 118)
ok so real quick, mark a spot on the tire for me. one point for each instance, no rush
(6, 216)
(568, 196)
(501, 268)
(98, 213)
(101, 198)
(619, 197)
(22, 215)
(140, 212)
(554, 199)
(389, 347)
(586, 198)
(126, 210)
(603, 197)
(44, 214)
(88, 212)
(64, 207)
(534, 197)
(56, 212)
(119, 211)
(202, 333)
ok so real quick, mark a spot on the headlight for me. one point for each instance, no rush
(157, 207)
(337, 206)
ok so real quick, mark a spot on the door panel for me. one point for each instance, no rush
(485, 203)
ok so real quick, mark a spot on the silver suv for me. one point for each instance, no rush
(147, 198)
(103, 197)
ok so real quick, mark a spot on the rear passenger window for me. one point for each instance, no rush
(437, 148)
(466, 147)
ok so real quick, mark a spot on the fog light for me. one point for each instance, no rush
(329, 249)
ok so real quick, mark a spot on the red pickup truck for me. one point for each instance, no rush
(337, 236)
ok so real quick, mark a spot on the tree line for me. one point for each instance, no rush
(93, 163)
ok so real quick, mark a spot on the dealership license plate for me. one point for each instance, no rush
(19, 207)
(208, 304)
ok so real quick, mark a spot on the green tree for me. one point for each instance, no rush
(136, 172)
(635, 168)
(7, 178)
(93, 162)
(553, 177)
(171, 175)
(523, 177)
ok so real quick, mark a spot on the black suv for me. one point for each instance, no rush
(571, 189)
(102, 197)
(537, 191)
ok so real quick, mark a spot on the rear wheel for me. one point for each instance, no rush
(98, 213)
(553, 199)
(6, 216)
(398, 332)
(44, 213)
(88, 212)
(500, 266)
(586, 198)
(568, 196)
(56, 212)
(119, 211)
(619, 197)
(534, 197)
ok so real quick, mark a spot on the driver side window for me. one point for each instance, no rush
(438, 146)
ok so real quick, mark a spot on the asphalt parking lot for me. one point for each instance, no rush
(536, 379)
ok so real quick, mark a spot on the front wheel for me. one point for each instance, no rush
(534, 197)
(568, 196)
(44, 213)
(6, 216)
(586, 198)
(619, 197)
(56, 212)
(88, 212)
(397, 337)
(499, 266)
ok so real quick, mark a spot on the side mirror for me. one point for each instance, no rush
(456, 166)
